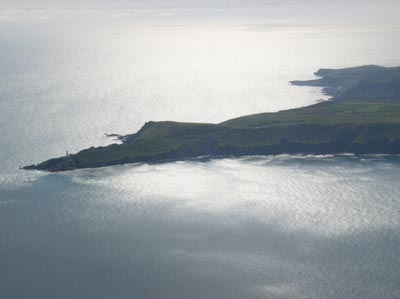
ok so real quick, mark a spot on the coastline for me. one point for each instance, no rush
(361, 117)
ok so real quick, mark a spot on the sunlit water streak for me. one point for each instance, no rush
(255, 227)
(292, 227)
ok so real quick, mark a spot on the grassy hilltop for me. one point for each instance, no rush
(363, 117)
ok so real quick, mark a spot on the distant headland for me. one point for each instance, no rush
(363, 117)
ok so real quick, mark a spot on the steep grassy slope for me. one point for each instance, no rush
(364, 117)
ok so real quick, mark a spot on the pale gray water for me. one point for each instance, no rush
(261, 227)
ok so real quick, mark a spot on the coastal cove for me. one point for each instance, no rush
(363, 117)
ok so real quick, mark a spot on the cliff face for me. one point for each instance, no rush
(363, 118)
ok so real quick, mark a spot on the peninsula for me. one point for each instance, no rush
(362, 117)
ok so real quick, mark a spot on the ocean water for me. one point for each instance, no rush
(255, 227)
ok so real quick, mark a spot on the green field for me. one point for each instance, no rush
(356, 111)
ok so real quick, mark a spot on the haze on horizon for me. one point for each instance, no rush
(374, 12)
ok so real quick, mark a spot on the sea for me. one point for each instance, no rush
(251, 227)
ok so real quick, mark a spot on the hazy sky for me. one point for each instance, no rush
(194, 3)
(374, 12)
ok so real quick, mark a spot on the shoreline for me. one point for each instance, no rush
(361, 117)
